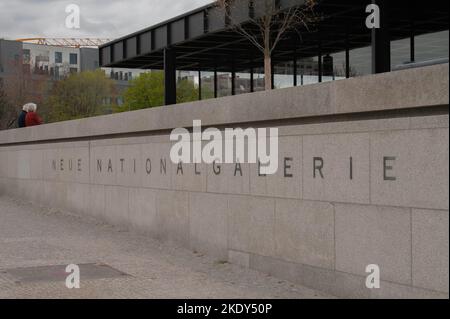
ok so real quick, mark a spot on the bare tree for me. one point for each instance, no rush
(268, 24)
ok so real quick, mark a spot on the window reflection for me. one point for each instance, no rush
(431, 46)
(284, 75)
(187, 86)
(361, 61)
(400, 52)
(334, 67)
(243, 82)
(223, 84)
(428, 47)
(207, 85)
(258, 79)
(307, 71)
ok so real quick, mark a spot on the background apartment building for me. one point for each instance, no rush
(36, 59)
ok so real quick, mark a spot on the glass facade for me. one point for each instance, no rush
(283, 75)
(428, 47)
(400, 52)
(431, 46)
(259, 79)
(207, 85)
(308, 71)
(224, 84)
(334, 67)
(187, 86)
(361, 61)
(243, 82)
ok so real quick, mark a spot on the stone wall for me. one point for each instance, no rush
(363, 179)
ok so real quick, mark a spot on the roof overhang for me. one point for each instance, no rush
(202, 40)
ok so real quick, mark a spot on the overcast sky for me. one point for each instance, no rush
(99, 18)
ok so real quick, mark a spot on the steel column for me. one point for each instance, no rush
(170, 77)
(381, 42)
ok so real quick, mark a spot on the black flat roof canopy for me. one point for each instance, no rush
(201, 40)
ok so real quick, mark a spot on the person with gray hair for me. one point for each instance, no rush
(32, 118)
(23, 115)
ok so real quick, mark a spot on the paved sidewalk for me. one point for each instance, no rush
(31, 236)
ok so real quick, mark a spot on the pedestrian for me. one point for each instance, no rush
(23, 115)
(32, 118)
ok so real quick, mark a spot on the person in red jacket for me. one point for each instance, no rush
(32, 118)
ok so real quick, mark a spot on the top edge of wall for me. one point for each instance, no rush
(420, 87)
